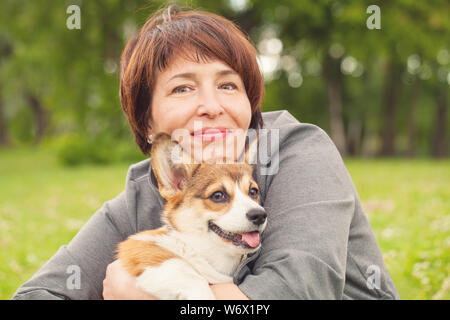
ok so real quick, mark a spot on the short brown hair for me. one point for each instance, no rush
(195, 35)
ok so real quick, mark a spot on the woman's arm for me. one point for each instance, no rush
(313, 228)
(77, 270)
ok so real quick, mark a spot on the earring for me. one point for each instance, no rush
(150, 139)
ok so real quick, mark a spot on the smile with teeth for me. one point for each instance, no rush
(247, 239)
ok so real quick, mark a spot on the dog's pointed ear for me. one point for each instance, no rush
(171, 164)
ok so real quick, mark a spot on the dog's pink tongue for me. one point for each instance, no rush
(251, 238)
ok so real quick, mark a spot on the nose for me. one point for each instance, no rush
(209, 104)
(257, 216)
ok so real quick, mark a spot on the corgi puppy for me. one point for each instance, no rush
(211, 221)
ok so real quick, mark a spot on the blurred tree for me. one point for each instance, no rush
(440, 142)
(413, 34)
(375, 91)
(5, 52)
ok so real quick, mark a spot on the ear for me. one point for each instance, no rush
(171, 164)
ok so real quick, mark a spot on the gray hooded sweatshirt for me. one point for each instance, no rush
(318, 243)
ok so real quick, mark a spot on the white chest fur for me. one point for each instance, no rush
(187, 277)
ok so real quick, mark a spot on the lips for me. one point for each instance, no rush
(211, 133)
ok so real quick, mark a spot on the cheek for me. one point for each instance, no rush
(169, 119)
(241, 112)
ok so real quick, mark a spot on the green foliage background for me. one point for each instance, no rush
(74, 74)
(63, 136)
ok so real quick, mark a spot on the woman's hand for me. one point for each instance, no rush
(120, 285)
(227, 291)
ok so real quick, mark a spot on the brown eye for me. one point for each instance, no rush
(218, 196)
(181, 89)
(229, 86)
(253, 192)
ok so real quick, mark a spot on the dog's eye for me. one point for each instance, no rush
(218, 196)
(253, 192)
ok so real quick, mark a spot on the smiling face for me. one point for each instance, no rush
(204, 106)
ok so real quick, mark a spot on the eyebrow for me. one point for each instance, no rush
(190, 75)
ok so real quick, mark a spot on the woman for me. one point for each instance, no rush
(191, 67)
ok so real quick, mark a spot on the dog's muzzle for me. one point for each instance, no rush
(247, 240)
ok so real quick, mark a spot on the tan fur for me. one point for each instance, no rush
(170, 208)
(163, 167)
(217, 177)
(187, 188)
(135, 255)
(155, 232)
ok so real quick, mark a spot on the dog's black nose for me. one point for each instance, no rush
(257, 216)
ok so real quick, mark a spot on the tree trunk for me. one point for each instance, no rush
(440, 143)
(412, 124)
(354, 136)
(4, 136)
(6, 50)
(333, 77)
(40, 114)
(390, 97)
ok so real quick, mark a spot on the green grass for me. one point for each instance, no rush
(408, 204)
(43, 205)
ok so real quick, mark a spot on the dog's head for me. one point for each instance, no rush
(219, 202)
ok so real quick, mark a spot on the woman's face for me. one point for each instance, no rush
(204, 106)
